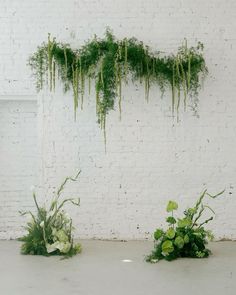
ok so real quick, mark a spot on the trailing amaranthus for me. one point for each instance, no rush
(109, 61)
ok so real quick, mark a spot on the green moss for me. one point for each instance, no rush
(110, 61)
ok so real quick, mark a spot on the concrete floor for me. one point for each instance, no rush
(100, 270)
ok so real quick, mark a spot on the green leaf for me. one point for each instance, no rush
(158, 234)
(179, 242)
(200, 254)
(186, 239)
(170, 233)
(167, 247)
(210, 235)
(191, 211)
(197, 234)
(171, 220)
(195, 247)
(171, 206)
(185, 222)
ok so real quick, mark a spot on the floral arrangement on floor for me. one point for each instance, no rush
(185, 237)
(49, 232)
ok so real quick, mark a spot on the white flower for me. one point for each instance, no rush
(42, 224)
(51, 248)
(54, 231)
(62, 247)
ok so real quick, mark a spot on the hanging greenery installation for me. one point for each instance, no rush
(111, 62)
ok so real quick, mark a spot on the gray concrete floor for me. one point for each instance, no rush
(100, 270)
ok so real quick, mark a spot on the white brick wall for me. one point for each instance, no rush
(18, 162)
(149, 159)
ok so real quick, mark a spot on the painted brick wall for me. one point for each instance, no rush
(18, 162)
(150, 159)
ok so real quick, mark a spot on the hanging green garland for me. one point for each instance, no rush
(110, 62)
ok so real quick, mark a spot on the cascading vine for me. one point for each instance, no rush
(110, 61)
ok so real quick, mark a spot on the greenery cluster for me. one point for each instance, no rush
(185, 237)
(49, 232)
(110, 62)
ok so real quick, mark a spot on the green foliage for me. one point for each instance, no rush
(184, 222)
(110, 62)
(171, 220)
(158, 234)
(50, 231)
(179, 242)
(188, 238)
(171, 206)
(167, 247)
(170, 233)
